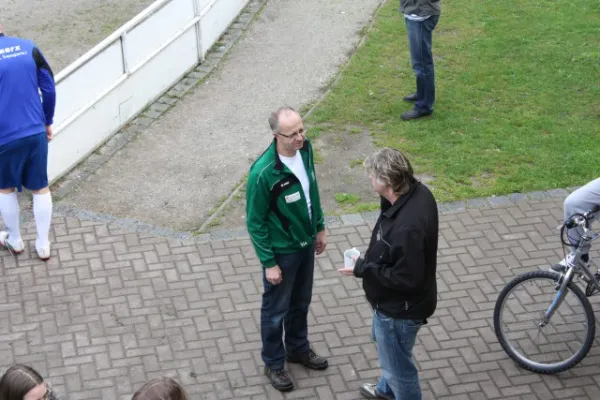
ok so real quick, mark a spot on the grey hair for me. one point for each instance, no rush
(391, 168)
(274, 117)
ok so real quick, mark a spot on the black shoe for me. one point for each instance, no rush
(415, 114)
(279, 379)
(370, 391)
(410, 98)
(310, 359)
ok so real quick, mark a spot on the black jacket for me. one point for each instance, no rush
(398, 269)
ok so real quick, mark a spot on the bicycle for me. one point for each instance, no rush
(529, 342)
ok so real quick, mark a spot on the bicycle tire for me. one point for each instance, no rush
(536, 366)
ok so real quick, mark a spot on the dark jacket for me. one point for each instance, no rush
(398, 268)
(422, 8)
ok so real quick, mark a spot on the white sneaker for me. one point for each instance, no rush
(43, 252)
(14, 248)
(562, 265)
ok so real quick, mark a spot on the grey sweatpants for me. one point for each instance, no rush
(580, 201)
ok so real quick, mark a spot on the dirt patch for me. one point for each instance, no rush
(485, 179)
(343, 182)
(66, 29)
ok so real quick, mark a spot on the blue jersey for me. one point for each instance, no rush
(24, 73)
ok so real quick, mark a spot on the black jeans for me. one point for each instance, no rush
(286, 306)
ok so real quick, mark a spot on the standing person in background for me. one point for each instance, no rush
(421, 17)
(25, 130)
(286, 225)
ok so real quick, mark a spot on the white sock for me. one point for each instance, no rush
(42, 210)
(9, 208)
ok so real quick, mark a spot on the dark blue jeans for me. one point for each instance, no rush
(395, 340)
(286, 306)
(419, 41)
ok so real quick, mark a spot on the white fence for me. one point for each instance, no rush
(108, 86)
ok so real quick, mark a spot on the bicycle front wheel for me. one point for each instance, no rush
(544, 348)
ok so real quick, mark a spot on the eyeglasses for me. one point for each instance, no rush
(294, 135)
(48, 393)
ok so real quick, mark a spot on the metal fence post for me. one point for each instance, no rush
(197, 12)
(124, 53)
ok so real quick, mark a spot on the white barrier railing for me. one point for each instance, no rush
(109, 85)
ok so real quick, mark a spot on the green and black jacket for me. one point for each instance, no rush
(276, 209)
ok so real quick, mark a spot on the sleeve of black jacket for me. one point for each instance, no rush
(406, 273)
(46, 84)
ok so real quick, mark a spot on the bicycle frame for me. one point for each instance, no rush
(575, 267)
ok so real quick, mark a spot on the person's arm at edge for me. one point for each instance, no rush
(257, 213)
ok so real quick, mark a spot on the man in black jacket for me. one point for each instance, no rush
(398, 272)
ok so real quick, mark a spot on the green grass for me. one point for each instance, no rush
(318, 157)
(363, 207)
(518, 95)
(346, 199)
(357, 162)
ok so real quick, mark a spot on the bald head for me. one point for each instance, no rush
(286, 113)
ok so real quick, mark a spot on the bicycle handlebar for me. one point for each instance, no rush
(581, 219)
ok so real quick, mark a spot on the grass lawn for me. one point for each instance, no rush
(518, 96)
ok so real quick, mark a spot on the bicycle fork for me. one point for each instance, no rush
(559, 298)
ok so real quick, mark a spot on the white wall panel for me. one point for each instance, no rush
(161, 26)
(109, 114)
(217, 19)
(84, 85)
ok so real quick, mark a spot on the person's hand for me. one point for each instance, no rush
(274, 275)
(348, 271)
(49, 132)
(321, 242)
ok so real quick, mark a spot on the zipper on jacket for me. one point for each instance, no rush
(406, 306)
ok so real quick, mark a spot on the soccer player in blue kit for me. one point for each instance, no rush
(25, 130)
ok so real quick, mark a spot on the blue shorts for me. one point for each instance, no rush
(24, 163)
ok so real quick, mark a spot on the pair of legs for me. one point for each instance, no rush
(285, 306)
(395, 340)
(580, 201)
(420, 42)
(24, 163)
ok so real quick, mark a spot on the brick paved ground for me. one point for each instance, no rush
(113, 309)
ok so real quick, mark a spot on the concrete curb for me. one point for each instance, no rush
(135, 226)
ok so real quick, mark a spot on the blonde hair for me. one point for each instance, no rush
(391, 168)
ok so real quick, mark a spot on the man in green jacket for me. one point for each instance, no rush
(286, 224)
